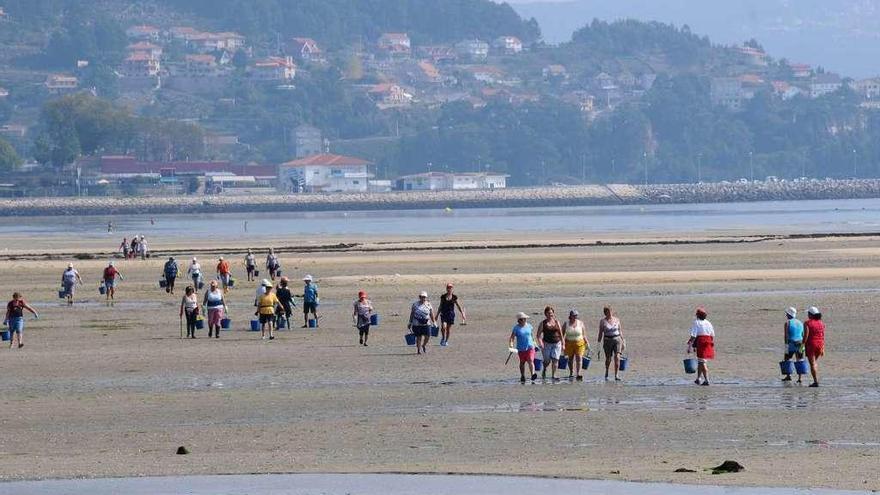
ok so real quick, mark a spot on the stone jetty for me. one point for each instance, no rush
(586, 195)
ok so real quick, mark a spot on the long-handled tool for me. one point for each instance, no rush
(510, 355)
(181, 328)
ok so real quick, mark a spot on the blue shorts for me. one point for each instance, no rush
(109, 284)
(16, 325)
(795, 348)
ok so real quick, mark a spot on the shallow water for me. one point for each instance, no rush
(376, 484)
(860, 215)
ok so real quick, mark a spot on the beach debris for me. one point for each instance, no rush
(728, 467)
(615, 472)
(684, 470)
(182, 450)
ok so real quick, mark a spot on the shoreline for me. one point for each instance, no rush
(587, 195)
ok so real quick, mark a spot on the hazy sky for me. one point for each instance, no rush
(841, 35)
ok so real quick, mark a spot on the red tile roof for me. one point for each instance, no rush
(326, 160)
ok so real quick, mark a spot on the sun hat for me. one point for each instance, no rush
(266, 283)
(221, 258)
(194, 258)
(522, 316)
(111, 263)
(791, 312)
(307, 278)
(70, 265)
(423, 294)
(813, 311)
(573, 312)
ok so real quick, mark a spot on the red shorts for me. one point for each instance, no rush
(815, 349)
(214, 316)
(705, 347)
(527, 356)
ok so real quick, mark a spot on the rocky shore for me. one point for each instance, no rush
(587, 195)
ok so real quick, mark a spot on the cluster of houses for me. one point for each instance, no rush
(735, 90)
(318, 173)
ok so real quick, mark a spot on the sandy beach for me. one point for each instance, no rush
(102, 391)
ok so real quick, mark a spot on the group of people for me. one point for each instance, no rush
(568, 340)
(136, 248)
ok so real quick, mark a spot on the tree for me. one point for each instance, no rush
(9, 158)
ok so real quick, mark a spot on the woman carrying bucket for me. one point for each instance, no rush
(189, 307)
(287, 302)
(360, 315)
(69, 279)
(702, 340)
(522, 339)
(814, 341)
(446, 314)
(794, 340)
(421, 318)
(15, 319)
(215, 304)
(250, 265)
(550, 331)
(273, 265)
(576, 344)
(195, 272)
(611, 340)
(224, 274)
(266, 305)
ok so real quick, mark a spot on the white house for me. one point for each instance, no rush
(509, 45)
(325, 173)
(395, 44)
(439, 181)
(274, 69)
(824, 84)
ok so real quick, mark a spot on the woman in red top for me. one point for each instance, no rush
(814, 341)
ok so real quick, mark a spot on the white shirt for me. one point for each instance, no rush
(195, 269)
(702, 327)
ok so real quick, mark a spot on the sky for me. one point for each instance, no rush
(840, 35)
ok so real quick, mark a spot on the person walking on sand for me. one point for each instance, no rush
(134, 248)
(360, 316)
(273, 264)
(223, 273)
(446, 314)
(195, 272)
(522, 338)
(814, 339)
(110, 276)
(215, 305)
(266, 305)
(189, 307)
(123, 248)
(310, 300)
(794, 340)
(421, 318)
(69, 279)
(170, 271)
(702, 341)
(611, 340)
(550, 331)
(15, 319)
(250, 265)
(285, 296)
(142, 248)
(575, 345)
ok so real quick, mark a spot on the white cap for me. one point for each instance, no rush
(522, 316)
(194, 258)
(791, 312)
(423, 294)
(813, 310)
(220, 259)
(266, 283)
(307, 278)
(111, 263)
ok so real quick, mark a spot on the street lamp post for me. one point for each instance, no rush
(699, 168)
(855, 164)
(751, 166)
(645, 161)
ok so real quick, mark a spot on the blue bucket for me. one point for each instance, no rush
(623, 363)
(563, 362)
(5, 335)
(435, 330)
(585, 363)
(539, 363)
(225, 323)
(62, 294)
(200, 324)
(786, 367)
(282, 323)
(802, 367)
(374, 320)
(277, 273)
(163, 283)
(256, 273)
(690, 365)
(201, 285)
(231, 282)
(102, 289)
(313, 323)
(410, 339)
(255, 325)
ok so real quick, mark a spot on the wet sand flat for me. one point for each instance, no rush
(104, 391)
